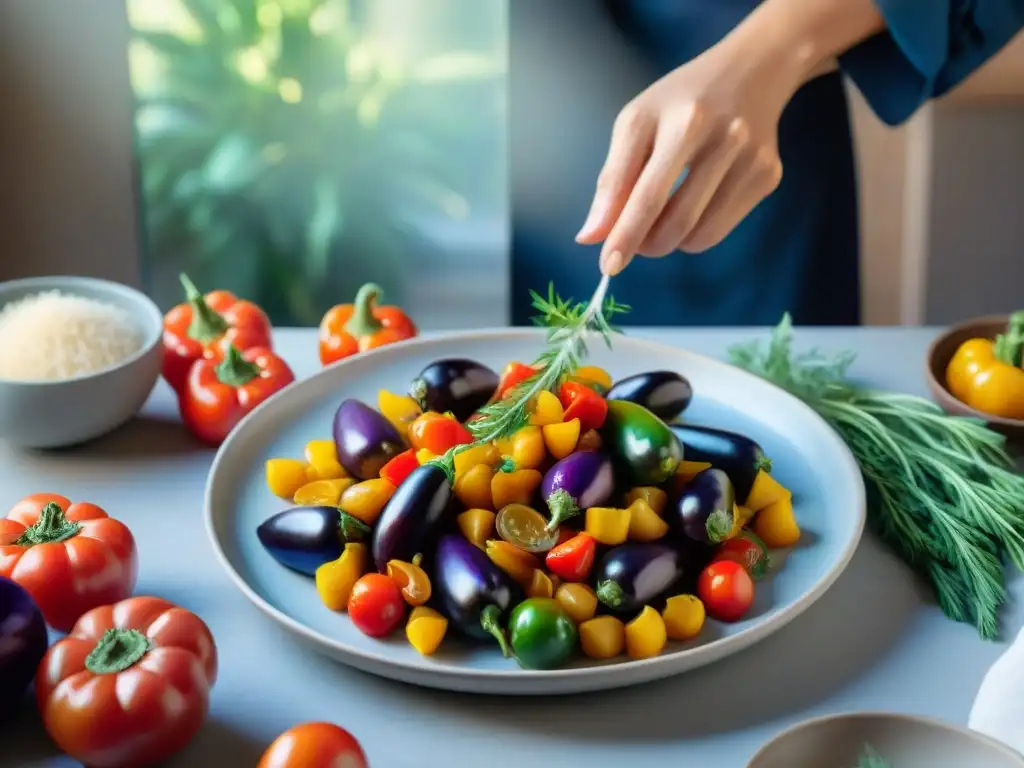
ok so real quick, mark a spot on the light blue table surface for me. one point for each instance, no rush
(874, 641)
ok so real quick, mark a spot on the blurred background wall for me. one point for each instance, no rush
(940, 213)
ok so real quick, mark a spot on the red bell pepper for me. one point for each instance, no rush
(203, 327)
(350, 328)
(400, 467)
(583, 403)
(514, 375)
(437, 433)
(573, 559)
(217, 395)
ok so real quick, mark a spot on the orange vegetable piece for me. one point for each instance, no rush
(411, 579)
(525, 448)
(477, 525)
(512, 560)
(366, 500)
(561, 439)
(515, 487)
(473, 489)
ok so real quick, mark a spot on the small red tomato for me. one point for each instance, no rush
(514, 375)
(747, 550)
(573, 559)
(583, 403)
(376, 605)
(726, 590)
(437, 433)
(314, 745)
(400, 467)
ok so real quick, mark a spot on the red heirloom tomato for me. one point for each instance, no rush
(314, 745)
(130, 685)
(69, 557)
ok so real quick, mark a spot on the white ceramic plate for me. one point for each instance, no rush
(807, 457)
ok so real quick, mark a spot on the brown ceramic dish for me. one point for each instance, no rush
(941, 352)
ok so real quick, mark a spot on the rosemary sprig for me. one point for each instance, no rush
(871, 759)
(942, 489)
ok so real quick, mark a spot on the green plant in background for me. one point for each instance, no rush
(287, 152)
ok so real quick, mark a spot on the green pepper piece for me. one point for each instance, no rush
(641, 443)
(542, 634)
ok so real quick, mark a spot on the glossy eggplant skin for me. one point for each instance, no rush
(304, 538)
(633, 575)
(468, 584)
(454, 385)
(737, 455)
(578, 481)
(704, 510)
(364, 439)
(640, 444)
(666, 394)
(412, 519)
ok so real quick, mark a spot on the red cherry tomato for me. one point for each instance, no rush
(514, 375)
(583, 403)
(726, 590)
(747, 550)
(376, 605)
(314, 745)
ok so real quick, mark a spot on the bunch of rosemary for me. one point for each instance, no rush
(942, 491)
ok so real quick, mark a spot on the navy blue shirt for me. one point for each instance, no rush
(798, 250)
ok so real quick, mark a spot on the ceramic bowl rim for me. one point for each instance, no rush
(905, 718)
(145, 305)
(339, 650)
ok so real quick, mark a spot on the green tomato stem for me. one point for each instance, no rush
(1009, 346)
(363, 322)
(490, 620)
(610, 593)
(235, 370)
(508, 465)
(562, 506)
(206, 324)
(116, 651)
(52, 527)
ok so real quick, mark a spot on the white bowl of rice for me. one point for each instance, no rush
(78, 358)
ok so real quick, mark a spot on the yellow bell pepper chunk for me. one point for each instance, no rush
(540, 585)
(646, 635)
(423, 456)
(366, 500)
(547, 409)
(644, 523)
(578, 600)
(411, 580)
(322, 492)
(425, 629)
(322, 456)
(603, 637)
(654, 496)
(517, 563)
(473, 489)
(766, 490)
(740, 517)
(776, 524)
(285, 476)
(515, 487)
(477, 525)
(561, 439)
(683, 616)
(591, 373)
(334, 580)
(690, 469)
(525, 448)
(478, 454)
(609, 526)
(400, 410)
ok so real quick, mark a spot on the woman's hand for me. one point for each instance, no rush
(717, 119)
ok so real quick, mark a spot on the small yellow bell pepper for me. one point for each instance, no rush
(765, 490)
(683, 616)
(654, 496)
(547, 409)
(644, 523)
(334, 580)
(322, 492)
(425, 629)
(776, 525)
(516, 562)
(540, 585)
(592, 374)
(578, 600)
(411, 579)
(486, 453)
(285, 476)
(473, 489)
(603, 637)
(322, 456)
(987, 375)
(516, 487)
(477, 525)
(423, 456)
(561, 439)
(741, 516)
(609, 526)
(646, 635)
(525, 448)
(366, 500)
(400, 410)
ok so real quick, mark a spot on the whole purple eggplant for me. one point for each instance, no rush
(666, 394)
(473, 592)
(413, 517)
(304, 538)
(705, 510)
(364, 439)
(454, 385)
(631, 576)
(741, 458)
(23, 642)
(578, 481)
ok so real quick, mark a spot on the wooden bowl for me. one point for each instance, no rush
(941, 352)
